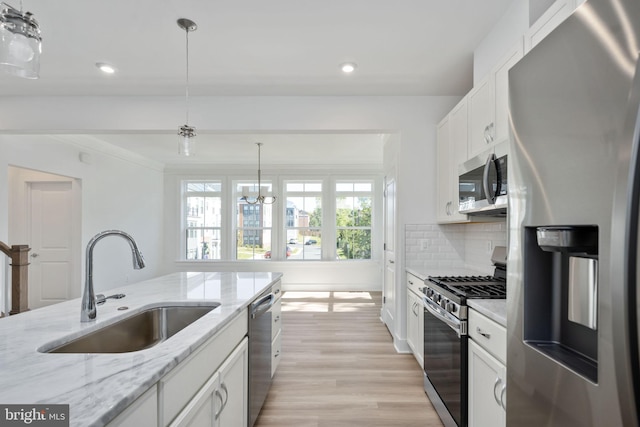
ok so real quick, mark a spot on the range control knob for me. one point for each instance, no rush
(443, 302)
(450, 307)
(437, 298)
(429, 292)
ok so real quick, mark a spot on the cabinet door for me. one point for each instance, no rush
(222, 401)
(458, 152)
(443, 167)
(501, 77)
(419, 352)
(411, 321)
(202, 409)
(234, 383)
(557, 12)
(481, 120)
(487, 388)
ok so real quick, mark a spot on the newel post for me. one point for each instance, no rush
(19, 255)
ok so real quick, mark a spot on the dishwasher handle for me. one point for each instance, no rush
(262, 305)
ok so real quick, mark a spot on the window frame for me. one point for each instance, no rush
(185, 228)
(371, 194)
(229, 195)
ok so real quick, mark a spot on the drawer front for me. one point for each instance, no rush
(415, 284)
(276, 288)
(276, 350)
(488, 334)
(276, 318)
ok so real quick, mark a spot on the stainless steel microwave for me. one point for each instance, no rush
(482, 183)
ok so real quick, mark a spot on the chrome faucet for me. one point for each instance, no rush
(88, 309)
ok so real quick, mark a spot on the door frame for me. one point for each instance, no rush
(20, 181)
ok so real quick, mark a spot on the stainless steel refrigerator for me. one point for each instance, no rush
(574, 210)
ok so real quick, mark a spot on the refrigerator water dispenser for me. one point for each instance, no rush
(561, 295)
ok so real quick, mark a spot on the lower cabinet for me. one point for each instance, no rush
(487, 389)
(142, 412)
(415, 318)
(487, 372)
(222, 401)
(276, 328)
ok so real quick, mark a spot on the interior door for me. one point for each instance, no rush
(389, 291)
(50, 238)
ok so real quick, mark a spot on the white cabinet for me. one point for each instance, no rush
(557, 12)
(487, 389)
(487, 372)
(415, 317)
(182, 394)
(489, 104)
(481, 116)
(443, 166)
(222, 401)
(276, 328)
(500, 75)
(142, 412)
(451, 151)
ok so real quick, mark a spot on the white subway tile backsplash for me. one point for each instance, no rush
(453, 245)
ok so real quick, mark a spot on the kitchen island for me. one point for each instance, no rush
(98, 387)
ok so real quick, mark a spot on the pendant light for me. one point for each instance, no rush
(260, 199)
(20, 42)
(186, 133)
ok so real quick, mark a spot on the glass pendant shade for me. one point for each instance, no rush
(187, 140)
(20, 43)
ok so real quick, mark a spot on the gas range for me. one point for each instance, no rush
(450, 293)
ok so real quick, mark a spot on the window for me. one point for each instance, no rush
(353, 219)
(303, 220)
(253, 223)
(315, 218)
(203, 219)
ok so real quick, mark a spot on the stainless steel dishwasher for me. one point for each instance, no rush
(259, 352)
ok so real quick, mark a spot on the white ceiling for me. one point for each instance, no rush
(256, 47)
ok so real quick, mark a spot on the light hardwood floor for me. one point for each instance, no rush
(339, 367)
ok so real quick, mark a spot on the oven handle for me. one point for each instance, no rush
(434, 309)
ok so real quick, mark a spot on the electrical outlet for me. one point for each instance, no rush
(424, 244)
(489, 246)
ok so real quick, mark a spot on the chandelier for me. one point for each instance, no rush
(259, 199)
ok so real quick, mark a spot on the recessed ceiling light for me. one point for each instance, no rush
(348, 67)
(106, 68)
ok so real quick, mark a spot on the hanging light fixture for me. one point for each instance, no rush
(186, 133)
(268, 200)
(20, 42)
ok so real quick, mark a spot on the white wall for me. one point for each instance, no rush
(116, 194)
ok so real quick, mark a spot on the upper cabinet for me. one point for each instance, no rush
(489, 104)
(557, 12)
(481, 101)
(452, 134)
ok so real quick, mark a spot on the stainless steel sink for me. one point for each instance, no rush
(137, 332)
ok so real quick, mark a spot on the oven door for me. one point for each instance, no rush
(445, 363)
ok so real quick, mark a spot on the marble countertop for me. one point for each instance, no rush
(494, 309)
(99, 386)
